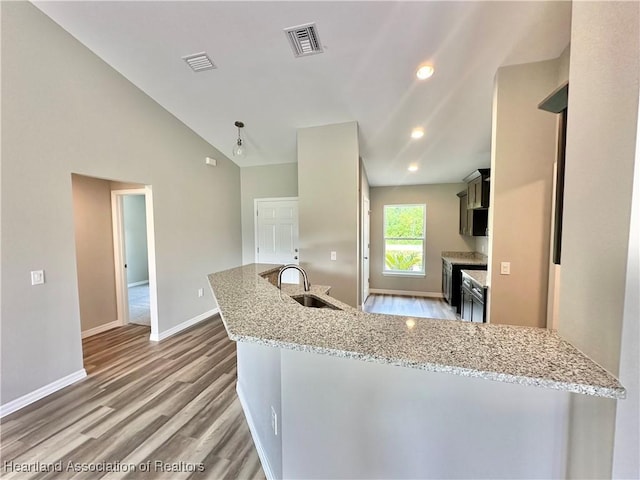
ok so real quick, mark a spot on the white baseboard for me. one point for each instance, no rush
(264, 460)
(42, 392)
(135, 284)
(101, 328)
(406, 293)
(156, 337)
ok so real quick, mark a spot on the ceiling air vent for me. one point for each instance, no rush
(199, 62)
(304, 39)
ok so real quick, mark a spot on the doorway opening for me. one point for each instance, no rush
(134, 257)
(98, 210)
(556, 103)
(366, 246)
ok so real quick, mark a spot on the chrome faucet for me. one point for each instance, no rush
(305, 279)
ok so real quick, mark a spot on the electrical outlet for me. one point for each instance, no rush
(201, 292)
(505, 268)
(37, 277)
(334, 256)
(274, 421)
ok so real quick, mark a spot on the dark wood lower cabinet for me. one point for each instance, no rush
(466, 305)
(477, 310)
(473, 301)
(452, 281)
(446, 280)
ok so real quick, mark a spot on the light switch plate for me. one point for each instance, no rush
(505, 268)
(37, 277)
(334, 256)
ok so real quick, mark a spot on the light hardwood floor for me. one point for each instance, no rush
(172, 402)
(409, 306)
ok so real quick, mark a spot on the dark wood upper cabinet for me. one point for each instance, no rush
(474, 204)
(462, 224)
(477, 222)
(478, 188)
(472, 222)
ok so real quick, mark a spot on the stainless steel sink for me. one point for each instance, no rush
(313, 302)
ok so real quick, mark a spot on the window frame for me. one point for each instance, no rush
(400, 273)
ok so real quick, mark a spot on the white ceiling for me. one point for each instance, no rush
(366, 73)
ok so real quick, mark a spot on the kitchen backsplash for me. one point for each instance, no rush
(482, 245)
(470, 255)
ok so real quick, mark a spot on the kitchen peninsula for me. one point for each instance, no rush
(343, 393)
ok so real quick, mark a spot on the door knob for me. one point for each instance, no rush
(366, 258)
(295, 258)
(296, 250)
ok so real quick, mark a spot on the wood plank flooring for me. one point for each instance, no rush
(409, 306)
(172, 402)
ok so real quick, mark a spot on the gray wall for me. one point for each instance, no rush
(94, 251)
(601, 142)
(328, 191)
(67, 113)
(135, 236)
(442, 233)
(259, 388)
(523, 152)
(403, 423)
(626, 461)
(267, 181)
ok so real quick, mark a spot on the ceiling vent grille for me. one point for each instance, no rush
(199, 62)
(304, 39)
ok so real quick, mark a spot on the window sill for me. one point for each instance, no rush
(404, 274)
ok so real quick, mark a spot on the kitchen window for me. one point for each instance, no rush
(404, 239)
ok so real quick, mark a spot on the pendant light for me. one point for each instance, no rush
(239, 150)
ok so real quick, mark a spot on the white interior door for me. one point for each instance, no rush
(277, 234)
(366, 227)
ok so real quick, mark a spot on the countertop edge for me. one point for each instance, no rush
(613, 389)
(603, 392)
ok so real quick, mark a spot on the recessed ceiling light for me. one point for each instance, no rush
(424, 72)
(417, 132)
(413, 167)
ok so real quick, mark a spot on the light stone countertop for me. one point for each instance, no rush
(480, 276)
(253, 310)
(466, 258)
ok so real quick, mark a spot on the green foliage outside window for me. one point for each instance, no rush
(404, 221)
(404, 232)
(402, 261)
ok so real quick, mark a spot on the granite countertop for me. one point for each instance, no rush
(253, 310)
(480, 276)
(466, 258)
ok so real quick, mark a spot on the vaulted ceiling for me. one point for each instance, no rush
(366, 72)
